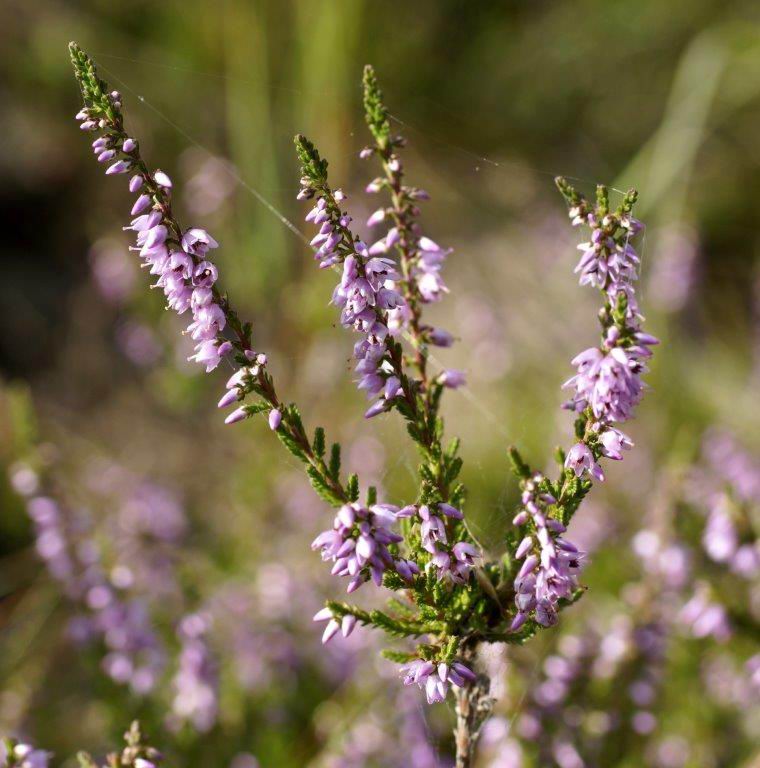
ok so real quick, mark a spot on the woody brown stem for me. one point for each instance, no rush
(473, 707)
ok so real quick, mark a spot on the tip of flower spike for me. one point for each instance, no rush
(567, 191)
(313, 167)
(375, 113)
(75, 52)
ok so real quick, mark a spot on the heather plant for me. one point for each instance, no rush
(449, 598)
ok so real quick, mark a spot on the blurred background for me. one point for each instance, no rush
(114, 457)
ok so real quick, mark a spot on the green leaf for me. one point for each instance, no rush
(335, 461)
(427, 475)
(294, 417)
(287, 440)
(519, 467)
(452, 448)
(392, 581)
(458, 495)
(352, 487)
(251, 409)
(318, 446)
(339, 610)
(412, 429)
(400, 657)
(453, 471)
(322, 487)
(398, 627)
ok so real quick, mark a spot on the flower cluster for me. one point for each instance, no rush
(420, 259)
(424, 257)
(358, 543)
(434, 678)
(550, 562)
(607, 387)
(178, 259)
(450, 562)
(608, 383)
(365, 294)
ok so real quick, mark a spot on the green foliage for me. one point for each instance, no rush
(322, 487)
(629, 200)
(287, 439)
(375, 112)
(352, 487)
(339, 610)
(400, 657)
(400, 627)
(251, 409)
(569, 192)
(392, 581)
(94, 90)
(313, 167)
(318, 446)
(334, 466)
(602, 200)
(519, 467)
